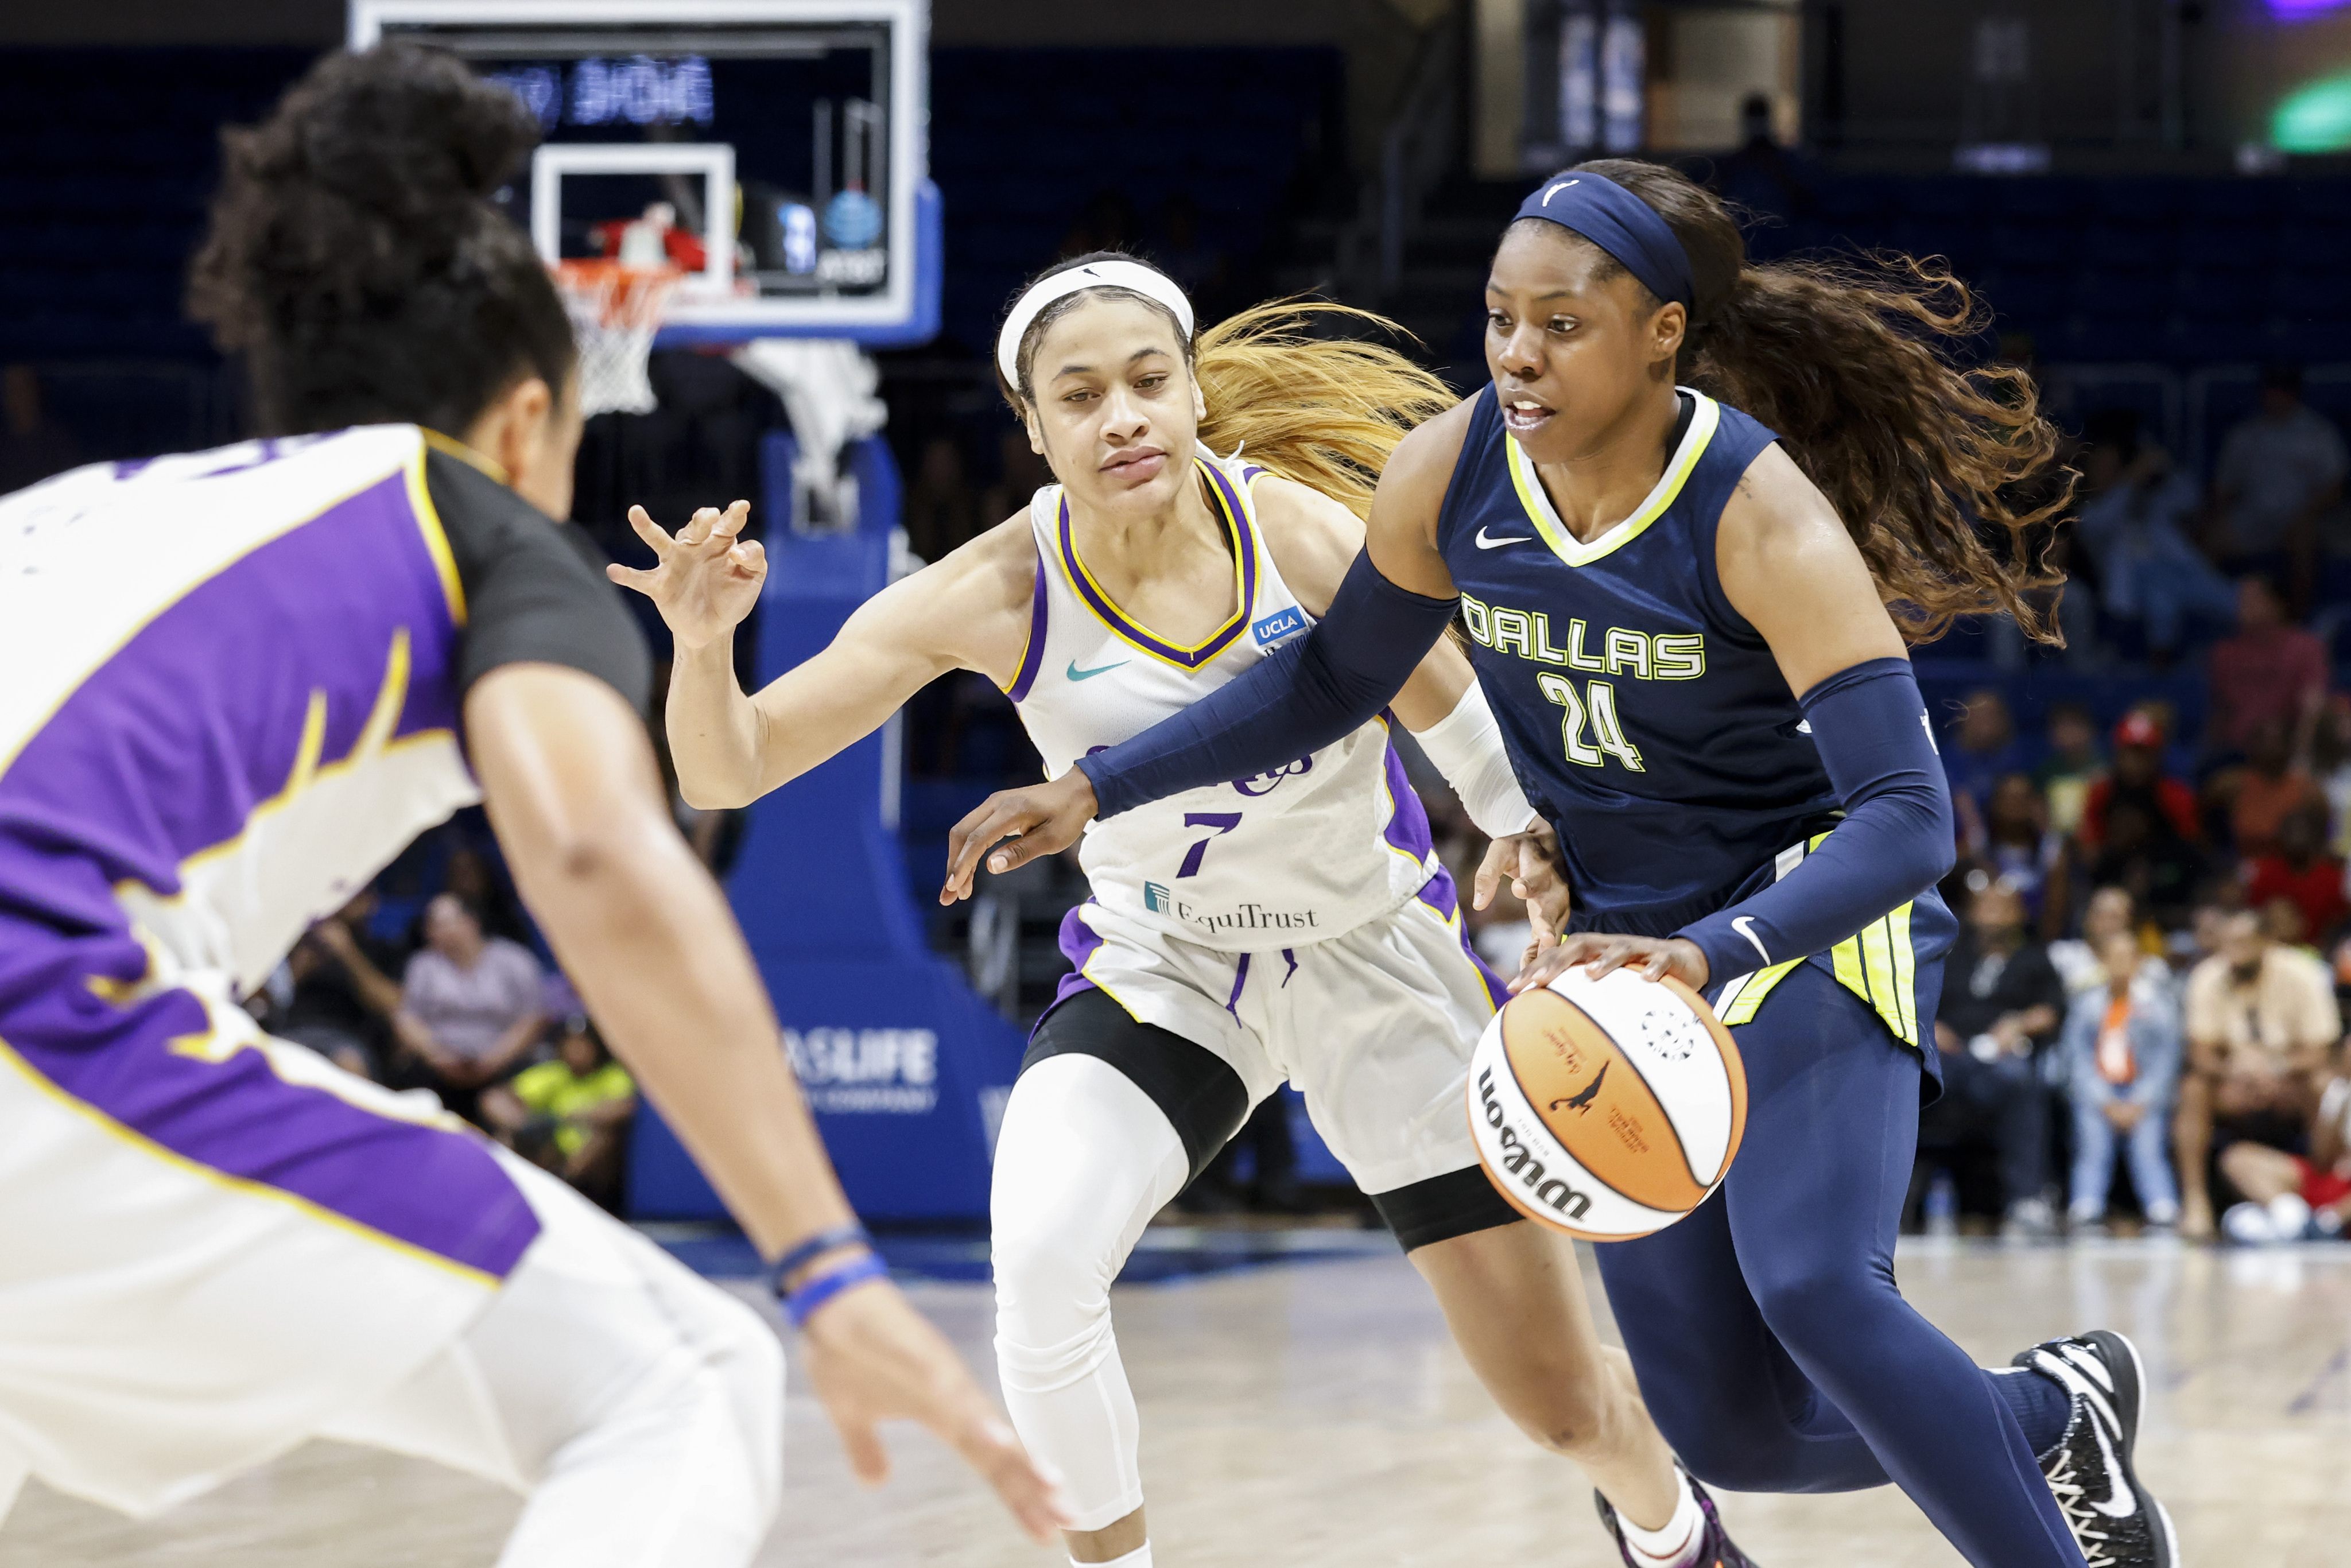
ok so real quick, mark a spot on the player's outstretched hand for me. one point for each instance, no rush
(1043, 819)
(705, 579)
(873, 1358)
(1652, 957)
(1531, 861)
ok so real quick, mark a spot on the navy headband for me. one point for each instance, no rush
(1619, 223)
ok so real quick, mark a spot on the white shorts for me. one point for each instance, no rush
(1373, 1027)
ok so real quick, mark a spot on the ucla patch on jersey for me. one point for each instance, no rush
(1281, 623)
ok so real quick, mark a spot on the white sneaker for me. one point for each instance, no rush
(2248, 1225)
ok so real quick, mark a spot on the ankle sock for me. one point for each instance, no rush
(1675, 1543)
(2039, 1402)
(1138, 1558)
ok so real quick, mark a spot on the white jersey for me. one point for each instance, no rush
(1308, 851)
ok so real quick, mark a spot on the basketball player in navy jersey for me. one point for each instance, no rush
(1681, 613)
(238, 682)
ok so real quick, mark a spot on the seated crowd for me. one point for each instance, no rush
(458, 1003)
(2144, 993)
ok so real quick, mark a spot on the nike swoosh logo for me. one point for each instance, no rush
(1077, 675)
(1485, 543)
(1745, 926)
(2119, 1504)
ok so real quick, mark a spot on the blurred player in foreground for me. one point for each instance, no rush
(240, 682)
(1294, 924)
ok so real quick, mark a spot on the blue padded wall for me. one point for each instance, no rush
(905, 1068)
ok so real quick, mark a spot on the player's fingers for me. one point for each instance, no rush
(750, 556)
(969, 840)
(699, 526)
(1612, 956)
(725, 526)
(1551, 962)
(629, 577)
(1490, 872)
(868, 1461)
(1015, 850)
(649, 531)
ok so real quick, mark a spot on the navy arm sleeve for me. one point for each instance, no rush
(1299, 698)
(1895, 841)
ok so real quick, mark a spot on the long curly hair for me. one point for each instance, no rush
(1946, 476)
(1325, 412)
(355, 259)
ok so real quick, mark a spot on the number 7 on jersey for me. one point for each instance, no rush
(1223, 822)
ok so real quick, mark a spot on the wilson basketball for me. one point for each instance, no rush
(1607, 1108)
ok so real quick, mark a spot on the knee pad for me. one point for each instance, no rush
(1052, 1310)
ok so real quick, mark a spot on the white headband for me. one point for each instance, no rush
(1143, 280)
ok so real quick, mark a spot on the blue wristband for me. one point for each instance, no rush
(850, 1235)
(802, 1303)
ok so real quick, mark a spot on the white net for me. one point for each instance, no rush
(615, 311)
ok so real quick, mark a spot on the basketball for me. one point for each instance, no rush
(1606, 1108)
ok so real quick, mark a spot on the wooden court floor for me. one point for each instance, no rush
(1315, 1415)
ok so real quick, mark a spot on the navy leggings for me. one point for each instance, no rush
(1770, 1340)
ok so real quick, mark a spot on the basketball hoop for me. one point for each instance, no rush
(615, 311)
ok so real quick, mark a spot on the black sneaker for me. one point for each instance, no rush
(2113, 1520)
(1716, 1549)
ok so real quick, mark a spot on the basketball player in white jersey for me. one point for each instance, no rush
(1291, 926)
(238, 682)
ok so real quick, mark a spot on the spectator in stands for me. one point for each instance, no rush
(2279, 472)
(1761, 175)
(2270, 669)
(2072, 765)
(2137, 523)
(344, 998)
(2139, 827)
(470, 1003)
(2267, 790)
(570, 1114)
(2111, 912)
(32, 445)
(1983, 747)
(2290, 1197)
(2012, 842)
(472, 877)
(2001, 1003)
(2261, 1020)
(2122, 1053)
(2330, 754)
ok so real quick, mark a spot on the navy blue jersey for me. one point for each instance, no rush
(1647, 718)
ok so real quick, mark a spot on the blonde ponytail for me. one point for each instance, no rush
(1325, 412)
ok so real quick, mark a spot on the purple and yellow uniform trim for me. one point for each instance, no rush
(270, 724)
(1239, 532)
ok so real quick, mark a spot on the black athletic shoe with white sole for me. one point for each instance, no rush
(1716, 1549)
(2115, 1521)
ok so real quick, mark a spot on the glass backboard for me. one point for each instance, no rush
(773, 150)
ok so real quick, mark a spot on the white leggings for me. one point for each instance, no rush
(1084, 1160)
(640, 1406)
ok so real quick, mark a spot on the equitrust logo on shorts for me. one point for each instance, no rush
(1242, 917)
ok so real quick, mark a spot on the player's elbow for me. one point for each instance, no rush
(706, 794)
